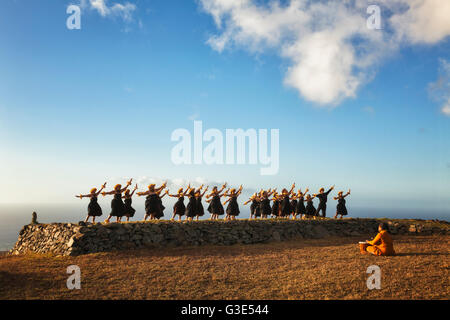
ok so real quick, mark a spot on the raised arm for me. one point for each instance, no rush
(223, 187)
(81, 196)
(187, 190)
(101, 189)
(128, 184)
(199, 189)
(202, 194)
(226, 201)
(225, 193)
(163, 186)
(329, 190)
(135, 188)
(143, 193)
(105, 193)
(173, 195)
(348, 192)
(292, 188)
(165, 193)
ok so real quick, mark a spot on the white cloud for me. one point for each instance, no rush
(124, 11)
(330, 51)
(446, 108)
(440, 89)
(426, 21)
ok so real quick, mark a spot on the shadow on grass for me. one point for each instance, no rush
(238, 249)
(23, 282)
(417, 254)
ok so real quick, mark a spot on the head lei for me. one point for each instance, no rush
(93, 190)
(321, 189)
(117, 187)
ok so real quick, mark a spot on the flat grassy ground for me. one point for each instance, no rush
(303, 269)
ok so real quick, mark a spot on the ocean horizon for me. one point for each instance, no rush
(15, 216)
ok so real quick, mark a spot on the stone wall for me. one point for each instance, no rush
(75, 239)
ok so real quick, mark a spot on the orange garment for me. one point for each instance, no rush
(382, 245)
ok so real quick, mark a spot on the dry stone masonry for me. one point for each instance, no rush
(81, 238)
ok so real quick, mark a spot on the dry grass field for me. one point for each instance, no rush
(303, 269)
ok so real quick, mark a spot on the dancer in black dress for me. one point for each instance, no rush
(179, 208)
(285, 202)
(310, 210)
(160, 214)
(294, 202)
(191, 208)
(233, 207)
(199, 206)
(341, 209)
(215, 206)
(264, 203)
(256, 212)
(254, 207)
(153, 203)
(275, 205)
(300, 209)
(322, 196)
(129, 210)
(117, 205)
(94, 209)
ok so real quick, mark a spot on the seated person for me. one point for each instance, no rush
(382, 244)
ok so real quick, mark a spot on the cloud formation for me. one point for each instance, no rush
(124, 11)
(440, 89)
(330, 50)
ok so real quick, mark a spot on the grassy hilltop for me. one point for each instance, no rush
(330, 268)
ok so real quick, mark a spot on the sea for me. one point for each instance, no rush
(14, 216)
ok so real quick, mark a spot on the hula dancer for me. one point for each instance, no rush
(322, 196)
(117, 205)
(153, 204)
(191, 208)
(264, 203)
(233, 207)
(285, 202)
(94, 209)
(254, 207)
(179, 208)
(215, 206)
(341, 209)
(300, 209)
(310, 210)
(200, 211)
(129, 210)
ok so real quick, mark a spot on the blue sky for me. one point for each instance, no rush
(78, 107)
